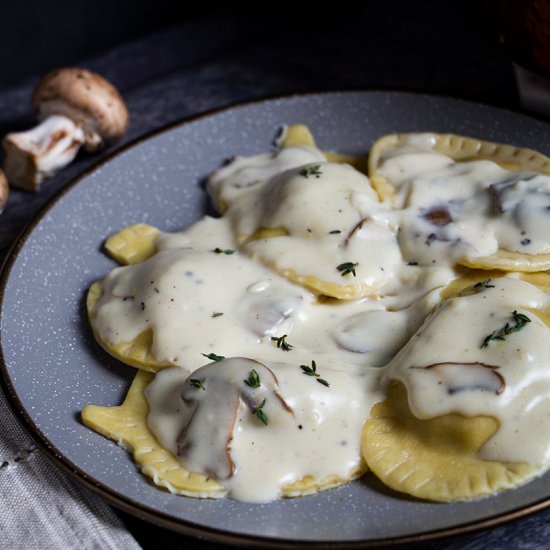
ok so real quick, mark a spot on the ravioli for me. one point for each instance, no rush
(127, 425)
(453, 426)
(277, 222)
(135, 352)
(514, 195)
(321, 292)
(133, 244)
(435, 459)
(141, 313)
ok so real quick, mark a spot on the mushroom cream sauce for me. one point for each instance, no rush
(291, 376)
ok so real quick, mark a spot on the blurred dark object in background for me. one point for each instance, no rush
(524, 31)
(36, 34)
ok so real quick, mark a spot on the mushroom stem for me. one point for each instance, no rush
(34, 155)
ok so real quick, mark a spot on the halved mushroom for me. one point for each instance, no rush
(76, 108)
(4, 190)
(459, 377)
(214, 395)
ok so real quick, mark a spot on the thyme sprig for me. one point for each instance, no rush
(197, 383)
(253, 379)
(260, 414)
(314, 170)
(520, 321)
(485, 284)
(219, 250)
(312, 371)
(214, 357)
(346, 268)
(282, 343)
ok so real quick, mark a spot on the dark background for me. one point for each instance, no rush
(448, 47)
(37, 35)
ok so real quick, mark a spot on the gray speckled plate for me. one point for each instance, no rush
(52, 367)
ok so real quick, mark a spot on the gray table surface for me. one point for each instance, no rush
(232, 56)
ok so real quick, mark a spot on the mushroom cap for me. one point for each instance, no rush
(87, 99)
(4, 189)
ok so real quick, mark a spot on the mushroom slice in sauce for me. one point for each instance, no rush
(507, 194)
(266, 307)
(377, 334)
(438, 215)
(212, 411)
(459, 377)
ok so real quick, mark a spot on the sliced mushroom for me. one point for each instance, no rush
(76, 108)
(438, 215)
(265, 308)
(214, 408)
(459, 377)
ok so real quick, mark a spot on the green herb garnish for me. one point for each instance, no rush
(260, 414)
(312, 371)
(218, 250)
(520, 321)
(253, 380)
(347, 267)
(314, 170)
(217, 314)
(484, 284)
(214, 357)
(197, 383)
(282, 343)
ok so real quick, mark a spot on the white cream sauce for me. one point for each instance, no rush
(205, 292)
(242, 174)
(311, 430)
(447, 368)
(451, 210)
(330, 215)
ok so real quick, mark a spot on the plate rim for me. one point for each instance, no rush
(159, 518)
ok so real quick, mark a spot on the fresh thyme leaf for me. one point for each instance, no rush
(347, 267)
(520, 321)
(493, 336)
(282, 343)
(334, 232)
(314, 170)
(253, 379)
(260, 414)
(484, 284)
(214, 357)
(218, 250)
(217, 314)
(197, 383)
(312, 371)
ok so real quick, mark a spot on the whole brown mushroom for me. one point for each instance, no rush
(76, 108)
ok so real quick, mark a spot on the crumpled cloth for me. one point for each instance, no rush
(40, 507)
